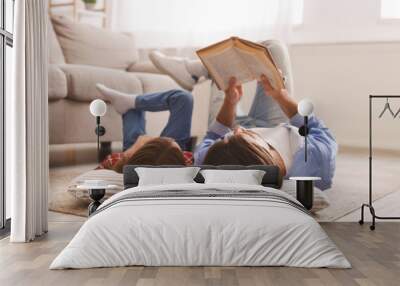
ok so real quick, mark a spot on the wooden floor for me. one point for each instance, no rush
(375, 257)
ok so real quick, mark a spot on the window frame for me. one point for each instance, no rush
(383, 20)
(6, 39)
(298, 26)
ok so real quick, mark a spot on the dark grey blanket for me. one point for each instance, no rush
(206, 194)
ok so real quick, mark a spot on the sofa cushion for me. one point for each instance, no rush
(144, 66)
(57, 83)
(156, 82)
(82, 81)
(56, 55)
(183, 52)
(88, 45)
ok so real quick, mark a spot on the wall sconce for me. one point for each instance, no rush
(305, 108)
(98, 108)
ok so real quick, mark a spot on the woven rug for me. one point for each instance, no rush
(350, 188)
(59, 199)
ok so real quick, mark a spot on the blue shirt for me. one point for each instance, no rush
(321, 147)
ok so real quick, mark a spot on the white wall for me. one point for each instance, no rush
(342, 53)
(344, 21)
(324, 21)
(163, 23)
(340, 77)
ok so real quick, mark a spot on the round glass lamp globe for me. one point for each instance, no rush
(305, 107)
(98, 107)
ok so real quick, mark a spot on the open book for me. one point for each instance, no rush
(239, 58)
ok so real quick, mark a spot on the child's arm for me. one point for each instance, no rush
(224, 121)
(227, 112)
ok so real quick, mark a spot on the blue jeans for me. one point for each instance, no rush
(180, 105)
(264, 112)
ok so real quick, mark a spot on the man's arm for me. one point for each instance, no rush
(322, 147)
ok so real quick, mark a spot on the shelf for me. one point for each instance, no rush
(92, 13)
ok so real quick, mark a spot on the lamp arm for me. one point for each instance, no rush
(305, 137)
(305, 108)
(98, 138)
(100, 131)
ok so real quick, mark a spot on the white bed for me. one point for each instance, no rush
(184, 230)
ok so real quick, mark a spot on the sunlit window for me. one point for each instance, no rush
(298, 12)
(198, 23)
(6, 43)
(390, 9)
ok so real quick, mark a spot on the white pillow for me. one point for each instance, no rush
(247, 177)
(84, 44)
(164, 176)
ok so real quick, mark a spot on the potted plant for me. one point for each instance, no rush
(90, 4)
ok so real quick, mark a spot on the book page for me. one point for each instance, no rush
(258, 67)
(226, 64)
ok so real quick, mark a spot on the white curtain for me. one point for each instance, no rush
(160, 23)
(26, 123)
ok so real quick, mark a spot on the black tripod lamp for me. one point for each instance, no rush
(305, 108)
(98, 108)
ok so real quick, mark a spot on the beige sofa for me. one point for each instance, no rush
(81, 56)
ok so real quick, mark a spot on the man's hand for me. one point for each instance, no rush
(234, 92)
(287, 104)
(141, 140)
(269, 89)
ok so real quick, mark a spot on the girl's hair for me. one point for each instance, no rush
(237, 150)
(158, 151)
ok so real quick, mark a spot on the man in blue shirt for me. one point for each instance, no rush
(271, 109)
(225, 144)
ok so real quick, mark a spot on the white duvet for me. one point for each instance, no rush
(192, 231)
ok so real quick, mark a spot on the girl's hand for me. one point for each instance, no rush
(269, 89)
(234, 92)
(141, 140)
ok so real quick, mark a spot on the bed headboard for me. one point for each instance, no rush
(271, 178)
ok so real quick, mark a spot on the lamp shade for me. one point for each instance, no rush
(305, 107)
(98, 107)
